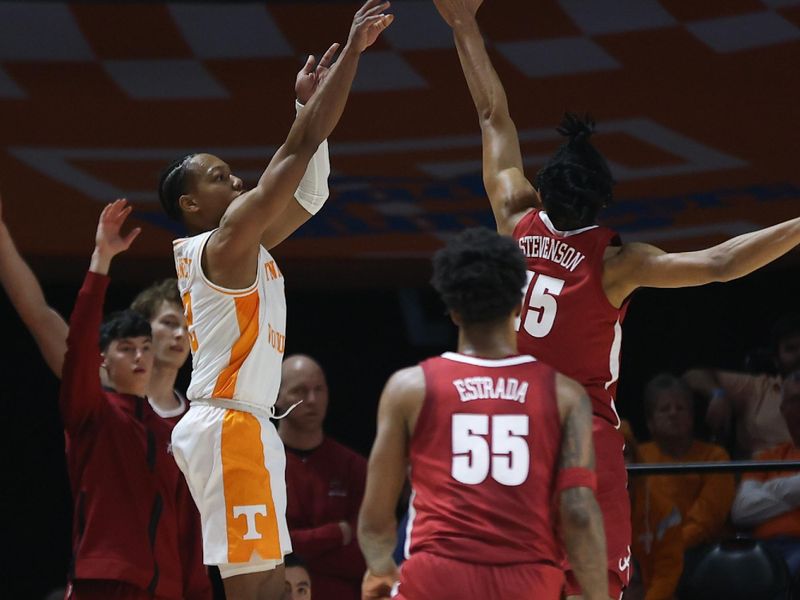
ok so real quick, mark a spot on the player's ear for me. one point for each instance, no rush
(456, 318)
(188, 203)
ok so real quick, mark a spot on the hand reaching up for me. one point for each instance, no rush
(368, 24)
(109, 240)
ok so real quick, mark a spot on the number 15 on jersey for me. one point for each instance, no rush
(538, 317)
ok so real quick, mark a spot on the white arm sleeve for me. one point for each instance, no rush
(757, 502)
(313, 190)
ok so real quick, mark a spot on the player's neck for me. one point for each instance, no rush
(161, 388)
(487, 340)
(300, 439)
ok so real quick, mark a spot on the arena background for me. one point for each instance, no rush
(696, 104)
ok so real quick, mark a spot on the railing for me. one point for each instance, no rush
(732, 466)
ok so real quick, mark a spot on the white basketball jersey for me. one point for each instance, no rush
(237, 336)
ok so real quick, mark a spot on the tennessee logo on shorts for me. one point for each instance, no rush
(250, 512)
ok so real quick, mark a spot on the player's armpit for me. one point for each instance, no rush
(643, 265)
(386, 471)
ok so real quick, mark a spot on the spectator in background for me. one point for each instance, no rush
(298, 579)
(160, 304)
(703, 500)
(753, 400)
(134, 523)
(324, 481)
(769, 503)
(657, 546)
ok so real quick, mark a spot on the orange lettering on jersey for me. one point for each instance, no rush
(182, 266)
(187, 310)
(277, 340)
(249, 510)
(273, 272)
(247, 317)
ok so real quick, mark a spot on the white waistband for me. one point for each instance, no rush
(247, 407)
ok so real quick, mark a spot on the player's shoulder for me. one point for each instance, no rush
(408, 379)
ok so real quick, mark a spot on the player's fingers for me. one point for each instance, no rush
(367, 6)
(380, 22)
(328, 56)
(377, 9)
(309, 66)
(128, 240)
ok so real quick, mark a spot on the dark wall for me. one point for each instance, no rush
(360, 337)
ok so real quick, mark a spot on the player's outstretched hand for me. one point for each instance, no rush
(377, 587)
(454, 10)
(310, 77)
(109, 241)
(369, 22)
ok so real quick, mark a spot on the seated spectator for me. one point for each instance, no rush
(753, 401)
(657, 544)
(324, 483)
(298, 580)
(769, 503)
(703, 500)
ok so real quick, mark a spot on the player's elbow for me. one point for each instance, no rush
(577, 514)
(720, 266)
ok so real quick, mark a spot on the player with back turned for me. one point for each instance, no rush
(499, 447)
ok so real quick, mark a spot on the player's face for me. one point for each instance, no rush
(128, 363)
(298, 584)
(170, 335)
(214, 187)
(672, 417)
(789, 354)
(306, 383)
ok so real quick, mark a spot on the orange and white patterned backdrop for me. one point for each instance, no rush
(696, 104)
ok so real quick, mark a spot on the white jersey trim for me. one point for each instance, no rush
(412, 514)
(218, 288)
(557, 232)
(173, 412)
(489, 362)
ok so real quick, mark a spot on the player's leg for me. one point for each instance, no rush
(264, 585)
(234, 463)
(612, 497)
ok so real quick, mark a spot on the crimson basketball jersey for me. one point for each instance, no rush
(484, 457)
(566, 319)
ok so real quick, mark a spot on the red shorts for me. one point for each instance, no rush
(612, 496)
(425, 576)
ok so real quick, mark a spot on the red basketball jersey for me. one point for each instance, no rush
(484, 459)
(566, 319)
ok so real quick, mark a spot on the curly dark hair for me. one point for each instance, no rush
(123, 324)
(172, 185)
(479, 274)
(575, 183)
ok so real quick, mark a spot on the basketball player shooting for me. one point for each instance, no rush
(235, 307)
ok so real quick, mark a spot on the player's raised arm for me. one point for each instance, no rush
(232, 250)
(47, 327)
(642, 265)
(581, 520)
(80, 395)
(386, 472)
(313, 191)
(510, 193)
